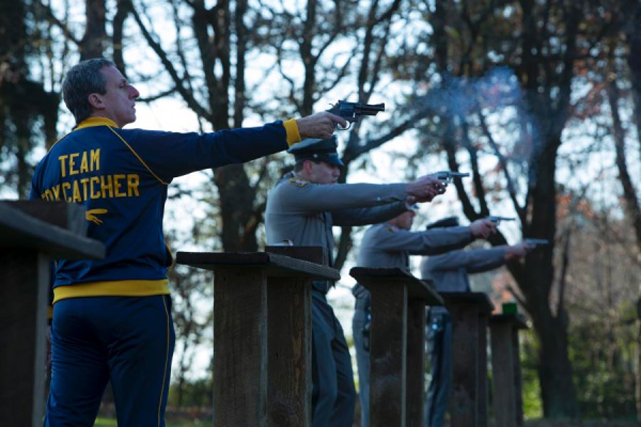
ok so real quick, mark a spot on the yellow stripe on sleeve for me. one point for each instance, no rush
(293, 135)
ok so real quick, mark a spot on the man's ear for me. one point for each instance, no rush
(95, 100)
(307, 166)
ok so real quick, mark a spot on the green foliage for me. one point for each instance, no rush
(602, 357)
(195, 394)
(532, 405)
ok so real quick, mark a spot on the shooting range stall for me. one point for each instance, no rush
(31, 235)
(397, 344)
(262, 333)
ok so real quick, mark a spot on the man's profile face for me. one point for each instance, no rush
(118, 103)
(324, 173)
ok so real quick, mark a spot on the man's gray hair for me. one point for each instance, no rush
(82, 80)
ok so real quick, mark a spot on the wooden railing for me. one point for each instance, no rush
(506, 369)
(397, 344)
(31, 234)
(262, 330)
(262, 334)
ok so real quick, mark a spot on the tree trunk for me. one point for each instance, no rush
(92, 44)
(237, 209)
(555, 371)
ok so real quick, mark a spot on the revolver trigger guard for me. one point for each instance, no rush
(349, 125)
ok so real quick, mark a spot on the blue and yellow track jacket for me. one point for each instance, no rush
(121, 177)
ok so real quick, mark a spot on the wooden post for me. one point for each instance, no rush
(289, 300)
(397, 342)
(27, 245)
(415, 362)
(262, 346)
(506, 369)
(468, 402)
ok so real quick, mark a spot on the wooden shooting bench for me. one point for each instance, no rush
(31, 234)
(506, 369)
(262, 333)
(468, 400)
(397, 344)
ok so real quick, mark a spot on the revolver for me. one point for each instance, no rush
(497, 219)
(352, 111)
(448, 176)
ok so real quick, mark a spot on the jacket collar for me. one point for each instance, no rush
(96, 121)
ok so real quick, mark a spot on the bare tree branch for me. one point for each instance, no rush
(186, 94)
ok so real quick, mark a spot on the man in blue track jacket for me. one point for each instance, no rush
(112, 317)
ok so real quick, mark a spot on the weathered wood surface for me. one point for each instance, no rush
(70, 216)
(276, 265)
(27, 245)
(289, 302)
(506, 369)
(263, 301)
(240, 347)
(468, 401)
(415, 363)
(418, 289)
(397, 342)
(19, 230)
(24, 284)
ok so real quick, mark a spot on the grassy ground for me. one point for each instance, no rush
(110, 422)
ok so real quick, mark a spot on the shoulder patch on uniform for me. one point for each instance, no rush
(299, 182)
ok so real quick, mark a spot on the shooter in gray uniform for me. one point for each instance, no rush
(389, 245)
(449, 272)
(302, 207)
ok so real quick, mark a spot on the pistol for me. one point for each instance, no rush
(448, 176)
(497, 219)
(352, 111)
(537, 242)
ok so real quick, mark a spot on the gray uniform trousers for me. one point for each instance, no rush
(439, 348)
(333, 392)
(450, 274)
(362, 356)
(304, 213)
(389, 247)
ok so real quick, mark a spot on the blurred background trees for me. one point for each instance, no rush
(540, 100)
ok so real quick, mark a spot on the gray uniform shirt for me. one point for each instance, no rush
(386, 246)
(304, 213)
(449, 271)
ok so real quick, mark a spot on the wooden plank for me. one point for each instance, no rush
(276, 265)
(418, 289)
(504, 403)
(506, 366)
(289, 305)
(463, 405)
(468, 403)
(19, 230)
(289, 377)
(240, 347)
(315, 254)
(24, 282)
(70, 216)
(415, 363)
(518, 380)
(479, 299)
(388, 352)
(482, 370)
